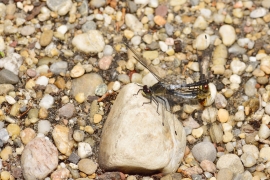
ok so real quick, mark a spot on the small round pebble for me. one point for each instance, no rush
(77, 71)
(47, 101)
(44, 127)
(84, 150)
(204, 151)
(87, 166)
(78, 135)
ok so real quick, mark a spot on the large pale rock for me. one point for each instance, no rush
(39, 158)
(90, 42)
(135, 141)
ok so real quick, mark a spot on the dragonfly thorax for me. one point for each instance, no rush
(146, 90)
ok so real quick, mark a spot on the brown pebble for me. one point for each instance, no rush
(46, 38)
(161, 10)
(31, 72)
(60, 83)
(43, 113)
(159, 20)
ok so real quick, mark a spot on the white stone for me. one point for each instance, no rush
(136, 40)
(133, 23)
(235, 79)
(108, 50)
(60, 6)
(153, 3)
(116, 86)
(248, 159)
(264, 131)
(43, 69)
(42, 81)
(47, 101)
(227, 34)
(257, 13)
(163, 46)
(177, 2)
(149, 79)
(232, 162)
(206, 13)
(12, 62)
(84, 150)
(202, 42)
(44, 126)
(200, 23)
(159, 146)
(251, 149)
(141, 1)
(90, 42)
(10, 99)
(237, 67)
(62, 29)
(2, 44)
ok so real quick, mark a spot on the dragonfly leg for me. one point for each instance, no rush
(137, 92)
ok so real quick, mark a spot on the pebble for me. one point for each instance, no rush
(264, 131)
(101, 89)
(177, 2)
(163, 46)
(62, 141)
(12, 62)
(46, 38)
(62, 173)
(200, 23)
(228, 35)
(97, 3)
(225, 173)
(90, 42)
(105, 62)
(84, 150)
(4, 136)
(27, 135)
(264, 153)
(86, 84)
(237, 67)
(223, 115)
(89, 25)
(77, 71)
(208, 166)
(161, 10)
(67, 110)
(47, 101)
(62, 7)
(136, 40)
(202, 42)
(5, 175)
(248, 160)
(230, 161)
(27, 30)
(10, 99)
(197, 133)
(78, 135)
(87, 166)
(59, 67)
(159, 20)
(257, 13)
(133, 23)
(41, 153)
(80, 97)
(108, 50)
(5, 153)
(44, 127)
(204, 151)
(42, 81)
(6, 88)
(250, 89)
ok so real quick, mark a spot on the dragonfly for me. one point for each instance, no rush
(168, 94)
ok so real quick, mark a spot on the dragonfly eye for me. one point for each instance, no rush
(205, 88)
(146, 90)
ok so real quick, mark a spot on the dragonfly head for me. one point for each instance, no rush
(146, 90)
(204, 88)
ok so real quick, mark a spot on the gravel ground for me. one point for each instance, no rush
(63, 63)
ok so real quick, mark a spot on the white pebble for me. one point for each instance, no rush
(44, 127)
(136, 40)
(84, 150)
(235, 79)
(264, 131)
(206, 13)
(163, 46)
(116, 86)
(259, 12)
(227, 34)
(141, 1)
(238, 67)
(42, 81)
(153, 3)
(62, 29)
(108, 50)
(47, 101)
(10, 99)
(202, 42)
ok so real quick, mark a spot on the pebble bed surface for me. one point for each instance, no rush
(63, 62)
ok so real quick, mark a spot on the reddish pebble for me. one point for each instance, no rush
(13, 44)
(169, 41)
(208, 166)
(161, 10)
(159, 20)
(31, 72)
(105, 62)
(248, 29)
(62, 173)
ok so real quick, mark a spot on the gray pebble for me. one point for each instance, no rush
(204, 151)
(8, 77)
(153, 46)
(89, 25)
(101, 89)
(74, 158)
(169, 29)
(132, 6)
(27, 30)
(123, 78)
(250, 89)
(83, 9)
(67, 110)
(59, 67)
(4, 136)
